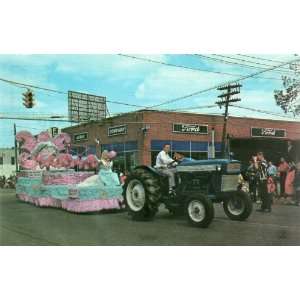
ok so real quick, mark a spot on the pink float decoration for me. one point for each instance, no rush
(27, 139)
(64, 178)
(30, 164)
(61, 141)
(44, 136)
(74, 205)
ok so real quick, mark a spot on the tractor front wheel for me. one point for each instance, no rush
(199, 211)
(237, 206)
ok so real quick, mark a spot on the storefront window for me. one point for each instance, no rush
(199, 155)
(125, 161)
(193, 155)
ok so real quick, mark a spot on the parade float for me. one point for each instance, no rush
(48, 178)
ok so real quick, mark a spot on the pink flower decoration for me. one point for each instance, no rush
(44, 136)
(30, 164)
(61, 141)
(28, 140)
(23, 135)
(23, 157)
(112, 154)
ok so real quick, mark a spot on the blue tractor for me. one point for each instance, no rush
(199, 184)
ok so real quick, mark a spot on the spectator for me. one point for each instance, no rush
(243, 184)
(289, 184)
(251, 174)
(292, 153)
(123, 178)
(260, 165)
(297, 185)
(282, 169)
(271, 185)
(272, 172)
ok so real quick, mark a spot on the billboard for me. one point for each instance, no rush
(85, 107)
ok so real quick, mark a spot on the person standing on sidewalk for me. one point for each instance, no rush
(252, 178)
(289, 184)
(297, 185)
(261, 167)
(272, 172)
(282, 169)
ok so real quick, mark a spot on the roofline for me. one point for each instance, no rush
(141, 111)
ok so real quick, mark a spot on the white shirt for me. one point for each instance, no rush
(163, 160)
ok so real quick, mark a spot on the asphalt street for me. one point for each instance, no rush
(25, 224)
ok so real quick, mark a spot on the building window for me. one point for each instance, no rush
(1, 160)
(125, 162)
(193, 155)
(199, 155)
(12, 160)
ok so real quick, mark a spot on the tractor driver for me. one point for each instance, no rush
(165, 164)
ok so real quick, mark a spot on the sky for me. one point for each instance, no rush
(133, 81)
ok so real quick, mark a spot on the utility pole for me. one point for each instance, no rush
(229, 90)
(16, 148)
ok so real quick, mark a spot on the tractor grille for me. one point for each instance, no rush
(229, 183)
(233, 167)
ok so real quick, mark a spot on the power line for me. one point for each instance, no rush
(235, 63)
(186, 67)
(20, 84)
(25, 85)
(35, 119)
(233, 105)
(252, 62)
(261, 111)
(260, 58)
(225, 83)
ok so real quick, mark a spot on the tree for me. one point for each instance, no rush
(289, 97)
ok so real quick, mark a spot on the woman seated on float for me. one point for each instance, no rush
(105, 175)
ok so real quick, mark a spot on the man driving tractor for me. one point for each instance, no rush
(165, 164)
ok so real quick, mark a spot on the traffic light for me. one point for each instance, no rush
(54, 131)
(28, 99)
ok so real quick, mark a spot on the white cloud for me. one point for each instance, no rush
(109, 66)
(167, 83)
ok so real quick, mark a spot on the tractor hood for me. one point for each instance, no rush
(226, 165)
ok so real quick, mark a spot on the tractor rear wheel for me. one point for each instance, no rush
(199, 211)
(142, 194)
(238, 206)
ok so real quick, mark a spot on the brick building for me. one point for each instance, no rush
(139, 136)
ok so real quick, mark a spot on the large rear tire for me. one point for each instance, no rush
(238, 206)
(199, 211)
(142, 194)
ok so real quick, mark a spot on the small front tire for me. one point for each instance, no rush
(238, 206)
(199, 211)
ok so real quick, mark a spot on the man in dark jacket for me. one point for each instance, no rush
(251, 174)
(261, 167)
